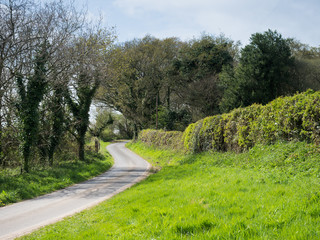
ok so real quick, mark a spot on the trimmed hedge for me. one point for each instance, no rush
(285, 118)
(161, 138)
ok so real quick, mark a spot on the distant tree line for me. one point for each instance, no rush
(170, 83)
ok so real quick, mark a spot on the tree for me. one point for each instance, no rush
(52, 124)
(14, 21)
(197, 66)
(30, 98)
(263, 72)
(80, 108)
(138, 83)
(39, 88)
(88, 55)
(102, 121)
(306, 70)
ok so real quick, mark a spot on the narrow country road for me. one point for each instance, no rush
(21, 218)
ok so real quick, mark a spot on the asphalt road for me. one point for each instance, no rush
(24, 217)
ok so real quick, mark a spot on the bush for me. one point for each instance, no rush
(161, 138)
(107, 135)
(191, 137)
(284, 119)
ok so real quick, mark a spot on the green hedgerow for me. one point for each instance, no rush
(283, 119)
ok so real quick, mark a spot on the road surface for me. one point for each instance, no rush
(24, 217)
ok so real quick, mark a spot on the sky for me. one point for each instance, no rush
(186, 19)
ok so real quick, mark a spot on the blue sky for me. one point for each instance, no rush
(185, 19)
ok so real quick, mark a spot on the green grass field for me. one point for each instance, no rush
(16, 187)
(270, 192)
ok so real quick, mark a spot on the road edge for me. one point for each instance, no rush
(146, 173)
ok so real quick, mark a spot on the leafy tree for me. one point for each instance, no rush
(263, 72)
(151, 78)
(102, 121)
(306, 70)
(138, 82)
(173, 119)
(15, 41)
(197, 66)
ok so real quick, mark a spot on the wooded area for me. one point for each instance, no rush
(54, 63)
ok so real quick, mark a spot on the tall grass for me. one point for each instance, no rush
(269, 192)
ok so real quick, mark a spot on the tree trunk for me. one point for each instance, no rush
(168, 97)
(157, 102)
(1, 153)
(51, 153)
(81, 142)
(96, 144)
(26, 155)
(135, 131)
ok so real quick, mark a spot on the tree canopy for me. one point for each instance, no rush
(263, 72)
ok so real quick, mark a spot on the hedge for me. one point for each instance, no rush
(161, 138)
(285, 118)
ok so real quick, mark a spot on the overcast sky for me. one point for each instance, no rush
(237, 19)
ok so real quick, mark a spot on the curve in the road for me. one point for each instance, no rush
(23, 217)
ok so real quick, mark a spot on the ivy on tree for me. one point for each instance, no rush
(80, 108)
(31, 95)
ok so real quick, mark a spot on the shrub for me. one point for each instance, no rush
(161, 138)
(284, 119)
(191, 137)
(211, 135)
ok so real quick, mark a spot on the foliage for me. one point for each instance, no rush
(306, 73)
(263, 72)
(285, 118)
(58, 119)
(43, 51)
(110, 125)
(102, 120)
(80, 110)
(202, 57)
(197, 67)
(31, 95)
(52, 123)
(172, 119)
(152, 81)
(191, 136)
(137, 79)
(161, 138)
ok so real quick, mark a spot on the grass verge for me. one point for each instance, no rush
(269, 192)
(16, 187)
